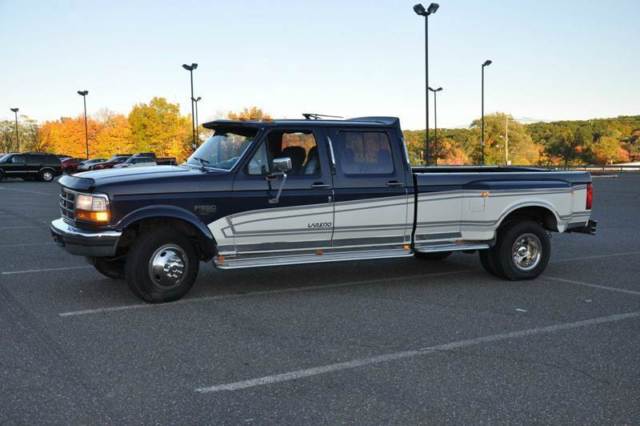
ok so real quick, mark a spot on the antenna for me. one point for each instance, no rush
(314, 116)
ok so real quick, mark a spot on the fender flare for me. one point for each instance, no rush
(537, 203)
(168, 211)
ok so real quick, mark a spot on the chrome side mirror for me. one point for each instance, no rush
(282, 164)
(280, 168)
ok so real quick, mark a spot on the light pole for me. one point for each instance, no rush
(191, 68)
(421, 11)
(84, 94)
(15, 111)
(484, 64)
(195, 101)
(435, 123)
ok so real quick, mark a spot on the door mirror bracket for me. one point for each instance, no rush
(280, 168)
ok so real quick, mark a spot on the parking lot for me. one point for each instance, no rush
(403, 342)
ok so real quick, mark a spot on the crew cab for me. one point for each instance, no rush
(285, 192)
(30, 166)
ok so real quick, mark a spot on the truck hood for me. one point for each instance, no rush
(89, 181)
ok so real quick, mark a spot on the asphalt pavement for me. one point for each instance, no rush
(377, 342)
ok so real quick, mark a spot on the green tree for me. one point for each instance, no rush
(505, 138)
(158, 127)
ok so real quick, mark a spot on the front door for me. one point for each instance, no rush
(371, 191)
(300, 219)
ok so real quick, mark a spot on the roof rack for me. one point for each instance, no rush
(314, 116)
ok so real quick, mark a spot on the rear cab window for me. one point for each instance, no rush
(365, 153)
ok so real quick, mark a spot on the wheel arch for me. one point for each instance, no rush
(540, 212)
(185, 221)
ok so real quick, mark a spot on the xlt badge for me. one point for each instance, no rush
(319, 225)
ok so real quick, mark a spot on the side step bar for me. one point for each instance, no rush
(298, 259)
(434, 248)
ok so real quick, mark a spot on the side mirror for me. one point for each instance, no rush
(282, 164)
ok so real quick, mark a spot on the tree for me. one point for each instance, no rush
(253, 113)
(28, 129)
(67, 136)
(498, 127)
(158, 127)
(608, 150)
(114, 136)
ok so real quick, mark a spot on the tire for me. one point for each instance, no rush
(110, 268)
(46, 175)
(440, 255)
(161, 265)
(522, 251)
(489, 262)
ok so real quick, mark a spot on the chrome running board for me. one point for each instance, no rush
(438, 247)
(299, 259)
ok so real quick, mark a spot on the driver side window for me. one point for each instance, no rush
(299, 146)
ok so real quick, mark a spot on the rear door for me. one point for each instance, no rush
(301, 218)
(371, 191)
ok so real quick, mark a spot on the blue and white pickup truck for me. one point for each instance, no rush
(289, 192)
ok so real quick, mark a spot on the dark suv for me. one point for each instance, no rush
(30, 166)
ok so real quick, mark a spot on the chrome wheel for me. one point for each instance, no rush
(47, 176)
(168, 266)
(526, 252)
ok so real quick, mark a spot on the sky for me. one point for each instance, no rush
(552, 60)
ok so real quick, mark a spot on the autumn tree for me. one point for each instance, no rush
(505, 139)
(158, 127)
(253, 113)
(28, 131)
(67, 136)
(114, 136)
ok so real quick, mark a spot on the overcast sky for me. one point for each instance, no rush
(551, 59)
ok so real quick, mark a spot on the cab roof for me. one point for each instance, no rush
(351, 122)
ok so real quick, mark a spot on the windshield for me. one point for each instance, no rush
(223, 150)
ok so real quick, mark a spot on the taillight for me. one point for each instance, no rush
(589, 196)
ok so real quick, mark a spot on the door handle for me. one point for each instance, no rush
(394, 183)
(319, 185)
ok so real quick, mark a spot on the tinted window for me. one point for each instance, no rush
(363, 153)
(18, 159)
(300, 147)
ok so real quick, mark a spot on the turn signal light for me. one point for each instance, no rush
(589, 196)
(97, 217)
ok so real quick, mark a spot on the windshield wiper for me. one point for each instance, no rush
(203, 163)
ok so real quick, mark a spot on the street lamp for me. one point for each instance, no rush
(421, 11)
(195, 101)
(84, 94)
(485, 64)
(15, 111)
(435, 122)
(191, 68)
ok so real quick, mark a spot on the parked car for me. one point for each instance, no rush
(87, 164)
(287, 192)
(70, 165)
(112, 162)
(146, 159)
(30, 166)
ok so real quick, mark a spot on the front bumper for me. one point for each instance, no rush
(84, 243)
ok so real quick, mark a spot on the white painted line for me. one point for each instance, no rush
(597, 256)
(33, 271)
(26, 245)
(28, 192)
(601, 287)
(2, 228)
(255, 293)
(356, 363)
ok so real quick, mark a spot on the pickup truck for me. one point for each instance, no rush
(286, 192)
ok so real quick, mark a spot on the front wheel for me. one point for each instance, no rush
(46, 175)
(161, 266)
(522, 251)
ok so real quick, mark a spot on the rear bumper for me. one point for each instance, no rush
(589, 228)
(84, 243)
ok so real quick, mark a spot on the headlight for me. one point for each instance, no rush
(92, 208)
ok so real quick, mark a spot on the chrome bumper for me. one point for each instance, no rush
(84, 243)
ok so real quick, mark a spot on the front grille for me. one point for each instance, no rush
(67, 204)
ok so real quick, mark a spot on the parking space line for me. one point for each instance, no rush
(32, 271)
(254, 293)
(596, 256)
(601, 287)
(362, 362)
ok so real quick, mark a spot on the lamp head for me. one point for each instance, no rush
(83, 92)
(487, 63)
(420, 10)
(196, 99)
(190, 67)
(15, 109)
(433, 7)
